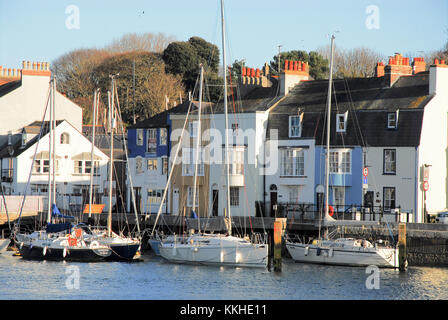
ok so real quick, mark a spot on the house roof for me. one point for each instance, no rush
(367, 102)
(17, 148)
(9, 86)
(159, 120)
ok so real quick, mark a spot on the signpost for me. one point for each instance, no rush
(365, 173)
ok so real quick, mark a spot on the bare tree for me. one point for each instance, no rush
(353, 63)
(140, 42)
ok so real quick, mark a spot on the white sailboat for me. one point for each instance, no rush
(59, 241)
(122, 247)
(341, 251)
(216, 249)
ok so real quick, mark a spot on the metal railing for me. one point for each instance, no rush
(309, 212)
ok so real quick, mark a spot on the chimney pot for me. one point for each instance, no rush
(436, 61)
(257, 73)
(244, 71)
(442, 61)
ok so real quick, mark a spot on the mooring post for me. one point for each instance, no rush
(279, 227)
(402, 261)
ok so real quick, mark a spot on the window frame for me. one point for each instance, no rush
(139, 138)
(234, 196)
(389, 208)
(296, 126)
(385, 172)
(339, 122)
(293, 159)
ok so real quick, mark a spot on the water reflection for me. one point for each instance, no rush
(155, 278)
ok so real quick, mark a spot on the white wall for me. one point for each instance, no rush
(66, 177)
(404, 180)
(26, 104)
(434, 143)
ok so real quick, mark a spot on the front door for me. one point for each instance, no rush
(273, 203)
(368, 199)
(215, 203)
(138, 198)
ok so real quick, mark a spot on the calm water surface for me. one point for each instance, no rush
(155, 278)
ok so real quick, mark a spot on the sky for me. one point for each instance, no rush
(43, 30)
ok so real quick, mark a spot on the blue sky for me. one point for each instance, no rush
(36, 30)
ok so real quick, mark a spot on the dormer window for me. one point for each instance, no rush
(65, 138)
(341, 122)
(392, 120)
(295, 126)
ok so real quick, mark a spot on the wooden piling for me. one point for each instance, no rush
(279, 227)
(402, 259)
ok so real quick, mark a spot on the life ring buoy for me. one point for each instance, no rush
(330, 211)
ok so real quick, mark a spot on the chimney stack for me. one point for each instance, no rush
(379, 70)
(398, 66)
(418, 65)
(294, 72)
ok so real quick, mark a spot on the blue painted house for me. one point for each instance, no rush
(148, 153)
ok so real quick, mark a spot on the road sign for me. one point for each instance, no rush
(364, 183)
(425, 185)
(365, 172)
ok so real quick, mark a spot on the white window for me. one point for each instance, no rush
(189, 162)
(139, 141)
(340, 161)
(390, 161)
(295, 126)
(389, 198)
(392, 120)
(193, 128)
(39, 188)
(164, 165)
(292, 162)
(151, 164)
(236, 159)
(190, 197)
(163, 136)
(138, 165)
(154, 196)
(151, 141)
(294, 194)
(234, 196)
(341, 122)
(339, 198)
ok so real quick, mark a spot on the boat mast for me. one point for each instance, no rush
(225, 112)
(198, 145)
(54, 142)
(50, 151)
(92, 167)
(111, 161)
(327, 165)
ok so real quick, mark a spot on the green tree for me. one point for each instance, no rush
(184, 57)
(317, 63)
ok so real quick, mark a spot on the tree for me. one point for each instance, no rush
(184, 57)
(353, 63)
(317, 63)
(152, 83)
(140, 42)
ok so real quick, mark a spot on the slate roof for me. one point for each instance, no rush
(9, 86)
(367, 100)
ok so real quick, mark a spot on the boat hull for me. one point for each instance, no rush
(123, 251)
(154, 244)
(4, 244)
(57, 254)
(225, 254)
(383, 257)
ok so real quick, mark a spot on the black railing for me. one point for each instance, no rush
(309, 212)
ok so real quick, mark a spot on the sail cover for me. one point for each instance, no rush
(56, 213)
(58, 227)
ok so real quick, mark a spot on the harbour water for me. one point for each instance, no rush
(155, 279)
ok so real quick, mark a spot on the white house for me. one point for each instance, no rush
(25, 166)
(23, 99)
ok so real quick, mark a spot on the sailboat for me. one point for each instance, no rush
(122, 248)
(341, 251)
(63, 240)
(216, 249)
